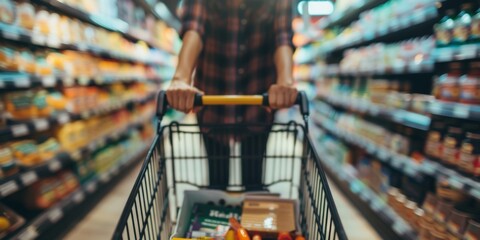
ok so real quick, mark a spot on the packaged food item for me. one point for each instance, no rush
(41, 26)
(470, 85)
(48, 149)
(463, 21)
(444, 29)
(475, 29)
(208, 220)
(451, 145)
(435, 137)
(40, 103)
(9, 221)
(7, 11)
(8, 167)
(469, 160)
(458, 220)
(448, 83)
(7, 58)
(26, 152)
(473, 230)
(442, 211)
(25, 15)
(19, 105)
(279, 213)
(446, 192)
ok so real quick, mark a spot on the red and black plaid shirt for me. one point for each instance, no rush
(239, 41)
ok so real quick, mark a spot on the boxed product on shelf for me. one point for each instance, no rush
(9, 221)
(47, 191)
(8, 165)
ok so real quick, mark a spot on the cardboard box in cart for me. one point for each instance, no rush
(208, 196)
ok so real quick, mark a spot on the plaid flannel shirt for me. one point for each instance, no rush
(239, 41)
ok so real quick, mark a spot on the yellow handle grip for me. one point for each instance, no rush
(232, 100)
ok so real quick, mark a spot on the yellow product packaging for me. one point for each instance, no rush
(56, 101)
(42, 23)
(82, 134)
(26, 152)
(67, 138)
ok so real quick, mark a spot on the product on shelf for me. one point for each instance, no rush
(9, 221)
(444, 28)
(25, 15)
(469, 159)
(8, 166)
(389, 57)
(469, 84)
(26, 152)
(48, 191)
(448, 84)
(463, 21)
(7, 11)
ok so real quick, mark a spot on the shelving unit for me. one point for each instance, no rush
(349, 94)
(53, 215)
(121, 96)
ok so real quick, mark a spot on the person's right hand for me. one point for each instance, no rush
(181, 96)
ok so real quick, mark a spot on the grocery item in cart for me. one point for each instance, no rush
(9, 221)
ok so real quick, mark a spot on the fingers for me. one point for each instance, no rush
(181, 96)
(282, 96)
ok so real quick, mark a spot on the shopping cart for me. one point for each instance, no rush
(178, 161)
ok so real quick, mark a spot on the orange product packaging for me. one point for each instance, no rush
(26, 152)
(19, 105)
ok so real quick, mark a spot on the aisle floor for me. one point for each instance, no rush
(101, 221)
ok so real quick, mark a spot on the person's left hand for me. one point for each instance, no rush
(282, 95)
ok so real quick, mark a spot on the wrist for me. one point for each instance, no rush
(285, 81)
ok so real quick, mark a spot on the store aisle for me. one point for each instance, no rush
(102, 220)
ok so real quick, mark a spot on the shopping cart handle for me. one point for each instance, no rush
(210, 100)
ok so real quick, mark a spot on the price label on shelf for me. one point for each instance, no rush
(428, 167)
(383, 153)
(54, 165)
(468, 51)
(435, 108)
(445, 54)
(12, 35)
(456, 182)
(2, 84)
(41, 124)
(105, 177)
(78, 197)
(49, 81)
(29, 178)
(29, 233)
(68, 81)
(55, 214)
(63, 118)
(22, 82)
(461, 111)
(82, 47)
(91, 187)
(19, 130)
(8, 188)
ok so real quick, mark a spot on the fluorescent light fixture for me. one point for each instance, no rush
(316, 8)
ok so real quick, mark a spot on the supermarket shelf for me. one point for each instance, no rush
(456, 110)
(167, 16)
(24, 179)
(108, 23)
(14, 33)
(406, 118)
(365, 199)
(404, 163)
(457, 53)
(19, 80)
(398, 29)
(351, 14)
(21, 180)
(54, 214)
(21, 129)
(412, 68)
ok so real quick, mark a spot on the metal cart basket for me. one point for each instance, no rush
(280, 157)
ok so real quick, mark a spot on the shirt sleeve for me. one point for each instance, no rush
(193, 17)
(283, 23)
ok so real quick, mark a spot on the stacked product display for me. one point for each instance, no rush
(397, 114)
(77, 98)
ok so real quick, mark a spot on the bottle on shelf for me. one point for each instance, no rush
(447, 87)
(463, 22)
(444, 29)
(475, 27)
(469, 160)
(470, 85)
